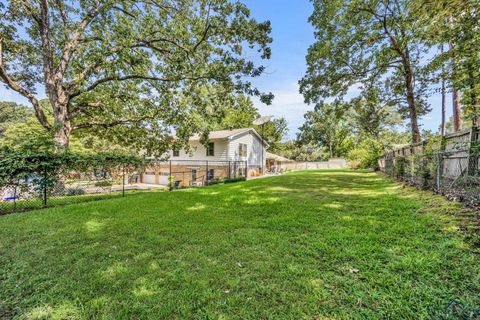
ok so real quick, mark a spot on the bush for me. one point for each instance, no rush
(365, 155)
(74, 192)
(103, 184)
(215, 181)
(233, 180)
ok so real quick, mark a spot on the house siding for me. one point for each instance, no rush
(199, 152)
(254, 149)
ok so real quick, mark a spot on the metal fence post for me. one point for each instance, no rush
(123, 182)
(15, 198)
(472, 156)
(438, 171)
(229, 169)
(170, 187)
(206, 173)
(45, 178)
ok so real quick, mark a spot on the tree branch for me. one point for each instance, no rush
(71, 46)
(114, 123)
(131, 77)
(18, 88)
(205, 33)
(44, 29)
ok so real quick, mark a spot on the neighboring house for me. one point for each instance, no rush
(228, 153)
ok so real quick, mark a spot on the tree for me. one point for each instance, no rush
(121, 64)
(372, 113)
(273, 132)
(298, 151)
(455, 22)
(12, 113)
(363, 42)
(239, 112)
(326, 126)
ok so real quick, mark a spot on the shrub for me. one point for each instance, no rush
(103, 183)
(365, 155)
(74, 192)
(233, 180)
(215, 181)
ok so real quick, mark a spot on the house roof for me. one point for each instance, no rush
(276, 157)
(228, 134)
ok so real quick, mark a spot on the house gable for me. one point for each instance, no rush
(253, 144)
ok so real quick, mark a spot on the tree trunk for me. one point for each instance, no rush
(330, 149)
(442, 128)
(457, 110)
(62, 125)
(63, 128)
(476, 117)
(411, 104)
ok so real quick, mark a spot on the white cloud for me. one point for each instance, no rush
(288, 103)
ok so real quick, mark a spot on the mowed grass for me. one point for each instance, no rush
(305, 245)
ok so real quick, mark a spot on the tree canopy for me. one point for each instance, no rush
(133, 70)
(361, 42)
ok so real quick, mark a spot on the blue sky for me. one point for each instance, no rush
(292, 35)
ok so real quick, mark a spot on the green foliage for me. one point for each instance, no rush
(239, 112)
(298, 151)
(233, 180)
(364, 43)
(215, 181)
(130, 71)
(273, 132)
(25, 168)
(104, 183)
(12, 113)
(365, 154)
(454, 24)
(400, 166)
(327, 126)
(74, 192)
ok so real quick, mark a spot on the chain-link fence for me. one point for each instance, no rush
(34, 182)
(32, 190)
(453, 170)
(195, 173)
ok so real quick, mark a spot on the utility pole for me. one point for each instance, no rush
(261, 122)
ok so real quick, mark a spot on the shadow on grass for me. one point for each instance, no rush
(309, 244)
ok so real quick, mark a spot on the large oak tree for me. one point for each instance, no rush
(125, 67)
(363, 42)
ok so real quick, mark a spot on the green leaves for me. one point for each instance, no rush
(366, 42)
(18, 167)
(121, 67)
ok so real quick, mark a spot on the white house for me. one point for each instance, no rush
(229, 153)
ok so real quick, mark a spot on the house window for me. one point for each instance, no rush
(176, 153)
(194, 174)
(242, 150)
(210, 149)
(210, 174)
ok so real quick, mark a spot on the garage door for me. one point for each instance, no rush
(163, 180)
(149, 178)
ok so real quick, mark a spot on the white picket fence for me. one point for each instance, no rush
(330, 164)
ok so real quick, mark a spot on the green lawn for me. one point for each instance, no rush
(305, 245)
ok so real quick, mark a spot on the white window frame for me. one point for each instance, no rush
(212, 150)
(242, 149)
